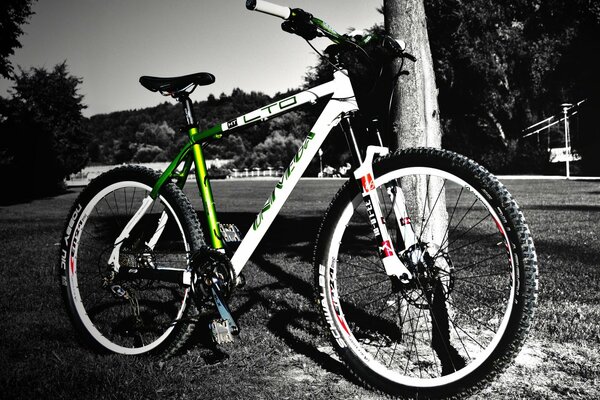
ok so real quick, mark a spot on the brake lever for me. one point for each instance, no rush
(397, 46)
(300, 23)
(409, 56)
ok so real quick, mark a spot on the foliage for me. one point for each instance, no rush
(156, 134)
(503, 66)
(516, 157)
(218, 172)
(590, 139)
(42, 129)
(13, 14)
(275, 151)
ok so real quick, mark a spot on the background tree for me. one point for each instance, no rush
(42, 138)
(13, 14)
(414, 114)
(415, 122)
(502, 66)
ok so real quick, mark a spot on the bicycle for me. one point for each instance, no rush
(425, 270)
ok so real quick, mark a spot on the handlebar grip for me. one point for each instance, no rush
(268, 8)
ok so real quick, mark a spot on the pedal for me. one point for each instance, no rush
(231, 235)
(221, 331)
(223, 309)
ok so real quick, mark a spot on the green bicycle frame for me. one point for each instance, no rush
(192, 152)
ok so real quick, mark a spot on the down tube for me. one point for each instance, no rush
(328, 119)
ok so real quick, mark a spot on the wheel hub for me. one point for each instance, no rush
(430, 267)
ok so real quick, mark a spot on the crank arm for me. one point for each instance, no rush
(223, 308)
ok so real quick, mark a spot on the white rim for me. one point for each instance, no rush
(340, 322)
(72, 274)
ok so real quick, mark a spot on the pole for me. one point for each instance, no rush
(321, 163)
(565, 107)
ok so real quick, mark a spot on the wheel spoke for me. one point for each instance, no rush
(129, 316)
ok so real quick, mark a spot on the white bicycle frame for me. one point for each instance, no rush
(341, 103)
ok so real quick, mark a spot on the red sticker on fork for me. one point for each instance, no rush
(367, 183)
(386, 248)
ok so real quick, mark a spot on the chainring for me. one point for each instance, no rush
(208, 263)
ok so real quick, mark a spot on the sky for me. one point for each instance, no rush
(111, 43)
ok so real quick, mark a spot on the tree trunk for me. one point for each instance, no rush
(415, 122)
(414, 119)
(414, 115)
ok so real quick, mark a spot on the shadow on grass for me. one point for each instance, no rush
(572, 253)
(294, 235)
(298, 329)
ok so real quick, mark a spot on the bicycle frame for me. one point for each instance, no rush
(341, 103)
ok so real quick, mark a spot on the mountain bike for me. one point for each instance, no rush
(425, 270)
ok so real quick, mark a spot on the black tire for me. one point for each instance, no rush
(464, 316)
(152, 317)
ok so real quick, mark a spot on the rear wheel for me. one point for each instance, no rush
(466, 312)
(129, 316)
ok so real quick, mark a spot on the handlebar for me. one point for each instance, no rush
(302, 23)
(268, 8)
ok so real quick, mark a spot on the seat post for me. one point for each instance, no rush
(187, 108)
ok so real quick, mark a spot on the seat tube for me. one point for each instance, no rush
(206, 194)
(201, 174)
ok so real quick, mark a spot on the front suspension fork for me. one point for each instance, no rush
(364, 176)
(366, 181)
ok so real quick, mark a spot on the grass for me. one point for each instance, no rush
(281, 353)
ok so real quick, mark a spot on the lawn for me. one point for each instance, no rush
(281, 352)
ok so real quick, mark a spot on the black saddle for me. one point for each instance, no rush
(176, 84)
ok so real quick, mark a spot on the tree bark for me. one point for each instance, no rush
(414, 115)
(414, 119)
(415, 122)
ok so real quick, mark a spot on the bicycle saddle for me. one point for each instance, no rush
(176, 84)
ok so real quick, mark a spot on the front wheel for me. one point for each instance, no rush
(465, 313)
(129, 315)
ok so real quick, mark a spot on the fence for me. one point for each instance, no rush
(88, 173)
(256, 172)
